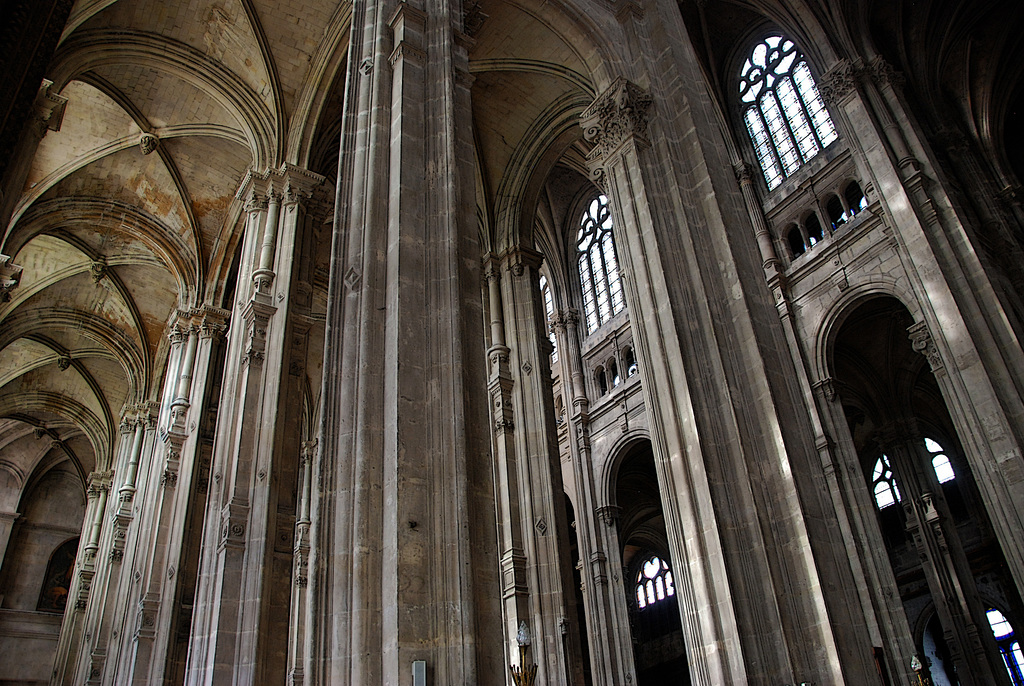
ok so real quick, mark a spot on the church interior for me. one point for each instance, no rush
(480, 342)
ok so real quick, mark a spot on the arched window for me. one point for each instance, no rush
(783, 112)
(630, 360)
(940, 461)
(883, 484)
(57, 581)
(549, 314)
(1009, 645)
(598, 265)
(653, 583)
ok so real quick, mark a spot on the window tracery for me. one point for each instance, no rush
(598, 265)
(784, 114)
(653, 583)
(883, 484)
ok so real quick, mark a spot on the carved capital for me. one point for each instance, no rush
(99, 482)
(744, 172)
(609, 514)
(838, 83)
(884, 73)
(618, 115)
(473, 17)
(921, 341)
(48, 107)
(827, 387)
(212, 322)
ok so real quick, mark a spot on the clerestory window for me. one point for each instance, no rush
(653, 583)
(598, 265)
(782, 109)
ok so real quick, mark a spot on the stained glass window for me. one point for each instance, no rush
(653, 582)
(784, 113)
(598, 265)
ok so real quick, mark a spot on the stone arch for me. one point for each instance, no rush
(167, 246)
(836, 314)
(100, 436)
(324, 68)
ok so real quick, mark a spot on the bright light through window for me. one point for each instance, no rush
(1009, 646)
(653, 583)
(598, 265)
(940, 462)
(785, 115)
(884, 484)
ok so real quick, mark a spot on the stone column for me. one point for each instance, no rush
(167, 498)
(950, 581)
(240, 611)
(301, 622)
(884, 616)
(731, 438)
(405, 559)
(71, 641)
(611, 648)
(525, 428)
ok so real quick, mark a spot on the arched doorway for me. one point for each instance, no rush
(659, 649)
(922, 493)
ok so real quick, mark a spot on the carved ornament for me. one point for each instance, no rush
(838, 82)
(618, 115)
(921, 341)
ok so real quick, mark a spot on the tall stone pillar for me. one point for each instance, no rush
(537, 582)
(405, 561)
(611, 649)
(731, 438)
(241, 606)
(158, 500)
(87, 563)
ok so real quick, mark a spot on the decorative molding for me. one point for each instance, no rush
(744, 172)
(609, 514)
(99, 482)
(49, 107)
(921, 341)
(617, 116)
(473, 17)
(839, 82)
(884, 74)
(352, 279)
(827, 387)
(148, 143)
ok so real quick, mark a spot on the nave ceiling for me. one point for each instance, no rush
(129, 213)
